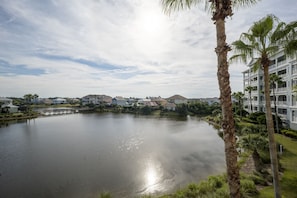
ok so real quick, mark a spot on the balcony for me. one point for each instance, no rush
(281, 89)
(282, 103)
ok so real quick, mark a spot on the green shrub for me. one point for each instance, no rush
(248, 188)
(105, 195)
(289, 133)
(216, 181)
(222, 193)
(258, 180)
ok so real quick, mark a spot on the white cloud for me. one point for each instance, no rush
(127, 47)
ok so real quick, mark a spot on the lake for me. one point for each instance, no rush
(82, 155)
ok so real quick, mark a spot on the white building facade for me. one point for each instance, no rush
(286, 97)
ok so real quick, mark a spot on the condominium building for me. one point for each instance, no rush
(286, 97)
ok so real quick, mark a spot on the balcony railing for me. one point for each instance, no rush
(282, 103)
(282, 89)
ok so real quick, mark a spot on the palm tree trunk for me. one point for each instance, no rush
(275, 107)
(228, 124)
(251, 102)
(270, 130)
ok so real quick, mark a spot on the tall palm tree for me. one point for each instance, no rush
(222, 9)
(239, 97)
(249, 89)
(265, 38)
(274, 80)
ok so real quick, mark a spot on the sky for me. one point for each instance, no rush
(130, 48)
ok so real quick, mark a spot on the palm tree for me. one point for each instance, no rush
(254, 143)
(275, 79)
(222, 9)
(249, 89)
(35, 97)
(239, 97)
(265, 38)
(28, 98)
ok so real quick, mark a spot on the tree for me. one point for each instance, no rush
(249, 89)
(35, 97)
(264, 39)
(239, 97)
(28, 98)
(275, 79)
(222, 9)
(254, 143)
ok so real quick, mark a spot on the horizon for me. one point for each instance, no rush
(72, 49)
(50, 97)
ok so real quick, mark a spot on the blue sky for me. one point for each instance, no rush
(117, 47)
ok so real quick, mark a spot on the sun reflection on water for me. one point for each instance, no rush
(152, 177)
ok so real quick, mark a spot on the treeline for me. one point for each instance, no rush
(182, 110)
(198, 108)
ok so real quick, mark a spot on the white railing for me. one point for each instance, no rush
(282, 89)
(282, 102)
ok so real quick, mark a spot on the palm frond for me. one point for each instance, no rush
(270, 50)
(176, 5)
(256, 65)
(238, 58)
(243, 3)
(291, 48)
(263, 27)
(278, 32)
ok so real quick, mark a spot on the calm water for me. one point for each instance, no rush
(81, 155)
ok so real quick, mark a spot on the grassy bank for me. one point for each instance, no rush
(289, 162)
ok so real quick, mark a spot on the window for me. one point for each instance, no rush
(272, 62)
(281, 59)
(282, 98)
(282, 111)
(282, 85)
(282, 72)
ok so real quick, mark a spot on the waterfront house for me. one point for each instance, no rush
(120, 101)
(59, 101)
(177, 99)
(96, 99)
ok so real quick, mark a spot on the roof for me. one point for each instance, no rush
(177, 97)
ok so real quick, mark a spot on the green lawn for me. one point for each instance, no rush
(289, 162)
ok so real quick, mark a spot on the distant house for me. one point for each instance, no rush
(211, 101)
(177, 99)
(4, 100)
(7, 106)
(46, 101)
(59, 101)
(96, 99)
(160, 101)
(120, 101)
(10, 108)
(147, 102)
(170, 106)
